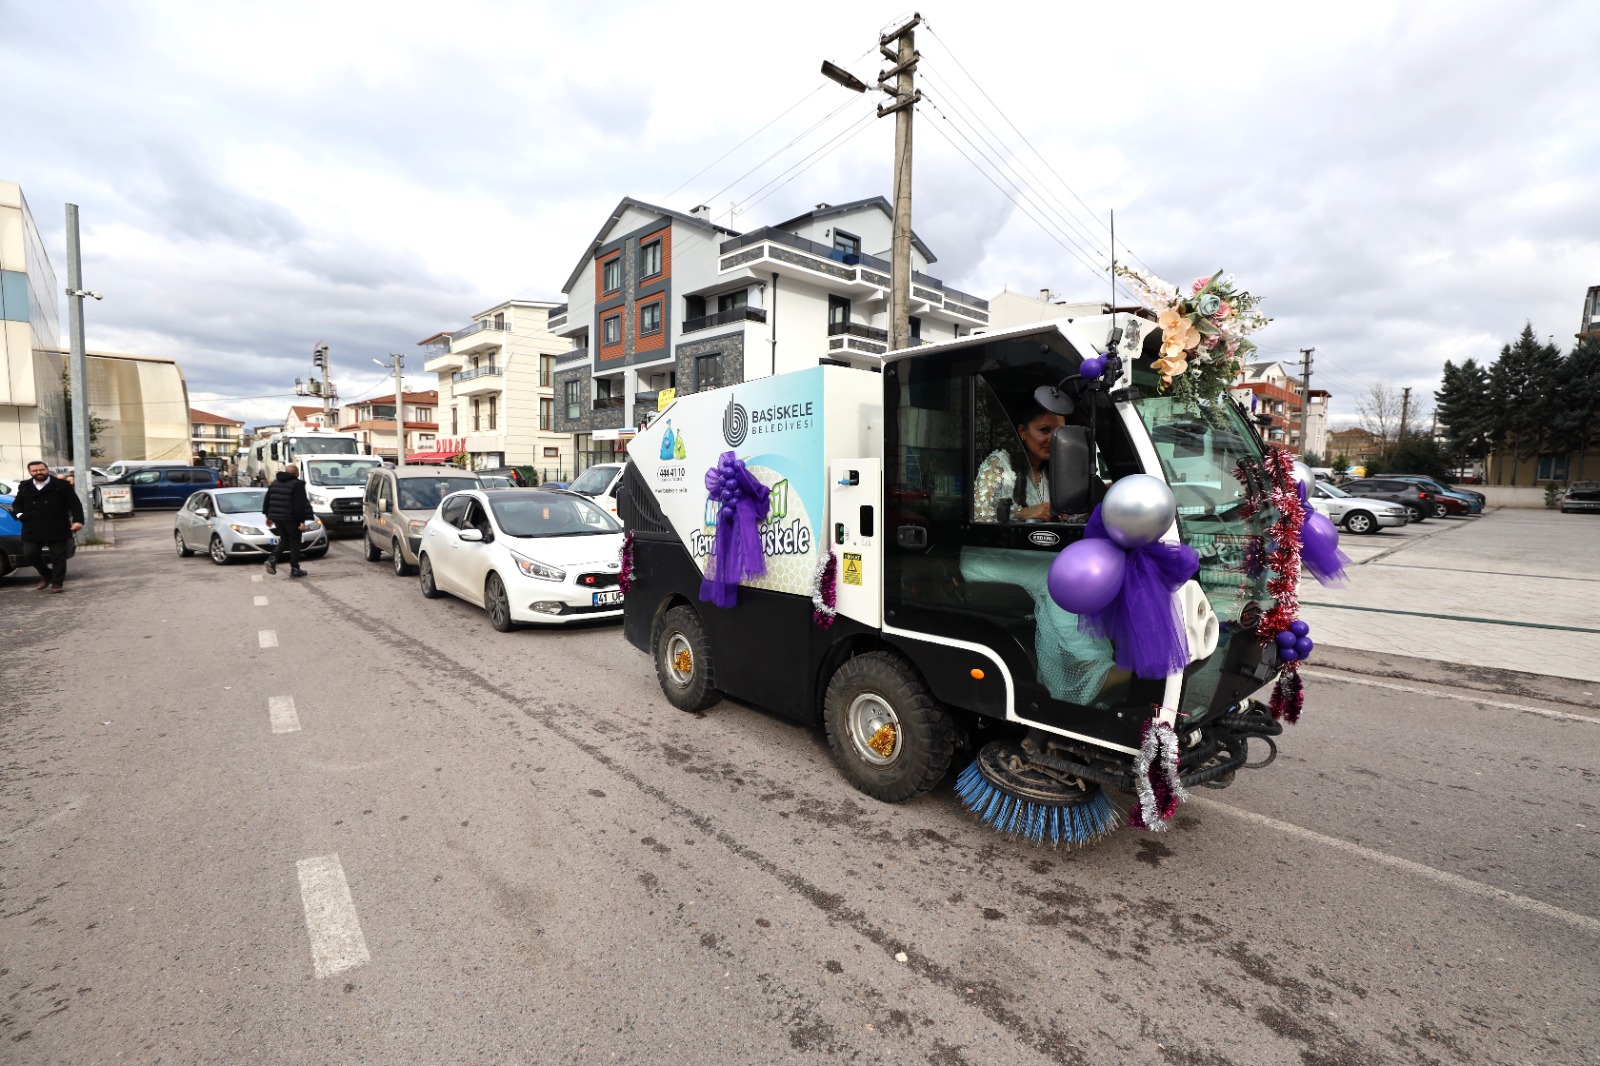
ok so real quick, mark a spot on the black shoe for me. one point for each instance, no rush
(296, 572)
(272, 565)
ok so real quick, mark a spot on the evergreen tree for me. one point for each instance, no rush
(1506, 378)
(1576, 420)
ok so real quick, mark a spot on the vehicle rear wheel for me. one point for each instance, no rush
(1415, 511)
(374, 553)
(683, 660)
(890, 738)
(425, 579)
(183, 549)
(1360, 523)
(218, 553)
(498, 604)
(400, 567)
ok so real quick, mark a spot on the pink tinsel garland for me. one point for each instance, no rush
(825, 591)
(625, 575)
(1288, 697)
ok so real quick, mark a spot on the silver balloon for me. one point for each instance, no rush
(1138, 509)
(1305, 476)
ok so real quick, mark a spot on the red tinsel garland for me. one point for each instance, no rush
(1288, 698)
(625, 575)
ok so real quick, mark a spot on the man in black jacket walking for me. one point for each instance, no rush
(287, 507)
(50, 513)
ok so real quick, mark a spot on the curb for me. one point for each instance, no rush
(1461, 677)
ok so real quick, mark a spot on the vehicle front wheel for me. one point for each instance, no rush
(498, 604)
(1441, 511)
(400, 567)
(218, 553)
(183, 549)
(425, 579)
(683, 660)
(890, 738)
(374, 553)
(1360, 523)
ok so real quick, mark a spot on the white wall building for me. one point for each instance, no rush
(496, 394)
(372, 421)
(33, 416)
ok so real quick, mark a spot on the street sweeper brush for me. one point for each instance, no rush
(1030, 802)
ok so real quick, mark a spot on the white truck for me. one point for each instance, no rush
(335, 485)
(943, 634)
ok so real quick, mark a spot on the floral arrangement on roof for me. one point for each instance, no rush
(1204, 331)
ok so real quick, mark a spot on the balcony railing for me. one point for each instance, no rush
(476, 327)
(722, 318)
(789, 240)
(857, 329)
(604, 403)
(478, 372)
(575, 355)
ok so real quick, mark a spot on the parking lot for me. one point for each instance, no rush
(249, 819)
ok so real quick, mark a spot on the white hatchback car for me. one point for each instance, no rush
(524, 555)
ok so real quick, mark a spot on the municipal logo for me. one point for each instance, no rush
(1044, 538)
(735, 423)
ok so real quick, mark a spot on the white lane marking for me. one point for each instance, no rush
(284, 717)
(268, 638)
(261, 601)
(1564, 716)
(258, 578)
(336, 941)
(1464, 884)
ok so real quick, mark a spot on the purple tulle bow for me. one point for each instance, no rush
(1142, 622)
(736, 550)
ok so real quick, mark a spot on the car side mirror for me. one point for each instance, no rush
(1071, 468)
(470, 534)
(202, 513)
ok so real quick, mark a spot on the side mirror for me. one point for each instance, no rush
(1071, 469)
(202, 513)
(470, 534)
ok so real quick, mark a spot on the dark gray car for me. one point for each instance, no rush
(1413, 498)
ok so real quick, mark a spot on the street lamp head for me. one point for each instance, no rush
(843, 77)
(81, 293)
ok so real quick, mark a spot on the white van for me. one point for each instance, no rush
(124, 467)
(599, 483)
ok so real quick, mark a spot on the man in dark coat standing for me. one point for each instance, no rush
(50, 513)
(287, 506)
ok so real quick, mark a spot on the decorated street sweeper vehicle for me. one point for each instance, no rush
(1028, 544)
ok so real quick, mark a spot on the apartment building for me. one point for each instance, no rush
(496, 388)
(666, 300)
(1269, 392)
(372, 421)
(214, 435)
(33, 414)
(302, 419)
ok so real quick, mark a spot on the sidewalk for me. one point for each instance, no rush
(1511, 590)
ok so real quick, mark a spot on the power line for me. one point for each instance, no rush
(860, 128)
(801, 136)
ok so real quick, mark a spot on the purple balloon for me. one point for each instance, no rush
(1319, 535)
(1288, 655)
(1093, 366)
(1299, 628)
(1300, 490)
(1285, 639)
(1087, 576)
(1304, 646)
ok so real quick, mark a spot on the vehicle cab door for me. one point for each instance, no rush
(444, 545)
(474, 559)
(146, 488)
(192, 520)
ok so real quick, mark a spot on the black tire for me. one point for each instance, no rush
(498, 604)
(5, 564)
(374, 553)
(401, 569)
(686, 682)
(881, 688)
(184, 551)
(1415, 511)
(1360, 523)
(218, 553)
(430, 591)
(1440, 510)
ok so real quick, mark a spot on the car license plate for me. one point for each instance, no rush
(602, 599)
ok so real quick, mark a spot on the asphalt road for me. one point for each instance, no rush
(509, 848)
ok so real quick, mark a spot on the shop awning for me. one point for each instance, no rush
(432, 457)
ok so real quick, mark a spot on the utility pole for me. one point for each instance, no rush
(78, 375)
(319, 357)
(1305, 400)
(905, 95)
(1405, 413)
(399, 410)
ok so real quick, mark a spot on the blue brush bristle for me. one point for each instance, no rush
(1042, 823)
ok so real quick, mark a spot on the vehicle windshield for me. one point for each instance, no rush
(251, 501)
(594, 480)
(325, 446)
(424, 494)
(1333, 490)
(550, 516)
(494, 481)
(331, 473)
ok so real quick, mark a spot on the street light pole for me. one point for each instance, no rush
(78, 375)
(399, 411)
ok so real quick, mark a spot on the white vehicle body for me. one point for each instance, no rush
(335, 485)
(599, 483)
(1358, 514)
(270, 456)
(524, 555)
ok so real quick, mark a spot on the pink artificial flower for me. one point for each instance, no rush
(1200, 283)
(1222, 312)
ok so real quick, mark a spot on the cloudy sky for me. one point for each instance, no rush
(1405, 182)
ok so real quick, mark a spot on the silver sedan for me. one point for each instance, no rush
(228, 524)
(1357, 514)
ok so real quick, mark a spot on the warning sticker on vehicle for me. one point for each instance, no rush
(852, 569)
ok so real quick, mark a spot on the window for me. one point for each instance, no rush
(708, 371)
(838, 310)
(547, 369)
(848, 243)
(424, 414)
(453, 509)
(650, 318)
(611, 275)
(494, 402)
(574, 400)
(499, 320)
(455, 426)
(602, 388)
(1552, 468)
(552, 453)
(547, 412)
(694, 307)
(611, 330)
(649, 259)
(477, 415)
(729, 300)
(916, 327)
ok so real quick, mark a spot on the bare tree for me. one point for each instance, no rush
(1380, 414)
